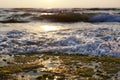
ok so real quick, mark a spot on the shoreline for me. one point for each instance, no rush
(60, 65)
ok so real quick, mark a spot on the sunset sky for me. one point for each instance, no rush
(58, 3)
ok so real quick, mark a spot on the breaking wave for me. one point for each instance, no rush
(105, 18)
(24, 16)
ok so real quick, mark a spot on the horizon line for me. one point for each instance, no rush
(62, 8)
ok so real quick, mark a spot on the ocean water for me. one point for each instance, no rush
(24, 31)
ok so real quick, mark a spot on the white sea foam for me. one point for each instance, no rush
(78, 38)
(97, 41)
(105, 18)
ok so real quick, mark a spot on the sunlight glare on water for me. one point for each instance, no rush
(49, 28)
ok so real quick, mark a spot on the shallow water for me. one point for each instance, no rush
(97, 39)
(58, 37)
(50, 26)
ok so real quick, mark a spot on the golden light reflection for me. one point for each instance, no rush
(49, 28)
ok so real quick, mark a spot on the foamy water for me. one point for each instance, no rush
(83, 38)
